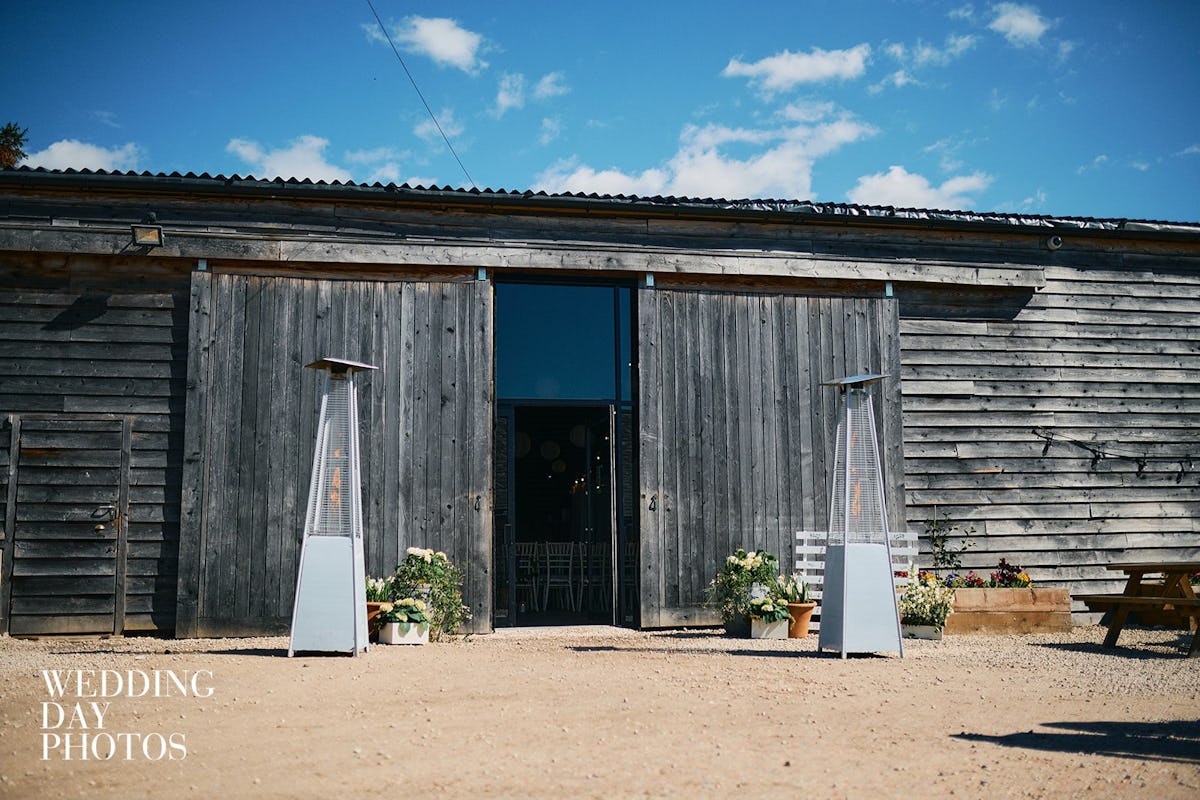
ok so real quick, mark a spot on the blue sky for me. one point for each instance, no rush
(1068, 109)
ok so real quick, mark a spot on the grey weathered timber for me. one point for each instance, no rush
(85, 338)
(736, 430)
(1006, 406)
(424, 422)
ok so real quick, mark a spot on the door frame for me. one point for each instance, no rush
(507, 410)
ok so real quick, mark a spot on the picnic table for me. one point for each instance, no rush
(1152, 584)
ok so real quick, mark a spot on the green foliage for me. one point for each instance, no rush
(941, 532)
(769, 609)
(408, 609)
(380, 590)
(12, 144)
(729, 591)
(792, 588)
(430, 577)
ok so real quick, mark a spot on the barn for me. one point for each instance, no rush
(638, 378)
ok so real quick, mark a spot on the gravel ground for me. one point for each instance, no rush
(604, 712)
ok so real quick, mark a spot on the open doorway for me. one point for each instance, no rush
(565, 548)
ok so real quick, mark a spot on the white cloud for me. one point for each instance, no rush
(785, 70)
(1035, 202)
(441, 39)
(108, 118)
(901, 188)
(552, 84)
(779, 164)
(898, 79)
(303, 158)
(418, 180)
(1020, 25)
(966, 13)
(923, 55)
(1190, 150)
(427, 130)
(551, 130)
(74, 154)
(382, 163)
(1140, 166)
(1095, 163)
(510, 94)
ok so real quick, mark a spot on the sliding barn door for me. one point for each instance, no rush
(425, 428)
(736, 431)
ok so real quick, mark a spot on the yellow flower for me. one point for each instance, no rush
(386, 606)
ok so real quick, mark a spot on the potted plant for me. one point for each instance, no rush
(794, 591)
(769, 618)
(730, 590)
(924, 606)
(379, 591)
(404, 622)
(429, 576)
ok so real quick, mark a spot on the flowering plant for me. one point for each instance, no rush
(409, 609)
(429, 576)
(792, 588)
(1005, 576)
(730, 591)
(926, 601)
(769, 609)
(379, 590)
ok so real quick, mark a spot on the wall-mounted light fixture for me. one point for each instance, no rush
(147, 233)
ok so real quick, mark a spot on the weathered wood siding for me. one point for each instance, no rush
(425, 417)
(1060, 424)
(90, 345)
(736, 430)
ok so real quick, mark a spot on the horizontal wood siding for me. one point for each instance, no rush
(424, 421)
(1060, 425)
(87, 337)
(736, 430)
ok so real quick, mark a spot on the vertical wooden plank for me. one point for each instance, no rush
(479, 372)
(409, 454)
(708, 486)
(694, 527)
(892, 413)
(195, 468)
(650, 464)
(122, 546)
(240, 572)
(10, 522)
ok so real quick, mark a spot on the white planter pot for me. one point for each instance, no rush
(768, 630)
(404, 633)
(921, 632)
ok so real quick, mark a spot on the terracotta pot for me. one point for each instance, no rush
(373, 618)
(801, 618)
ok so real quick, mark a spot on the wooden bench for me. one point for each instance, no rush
(1173, 590)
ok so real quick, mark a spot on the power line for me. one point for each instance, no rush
(413, 81)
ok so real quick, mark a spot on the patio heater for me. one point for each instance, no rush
(330, 612)
(858, 604)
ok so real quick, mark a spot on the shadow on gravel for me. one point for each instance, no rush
(1172, 742)
(699, 651)
(264, 652)
(1139, 652)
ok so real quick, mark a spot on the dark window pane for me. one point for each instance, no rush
(555, 342)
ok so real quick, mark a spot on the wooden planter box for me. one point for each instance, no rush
(1027, 610)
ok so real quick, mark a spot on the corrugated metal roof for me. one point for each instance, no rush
(592, 201)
